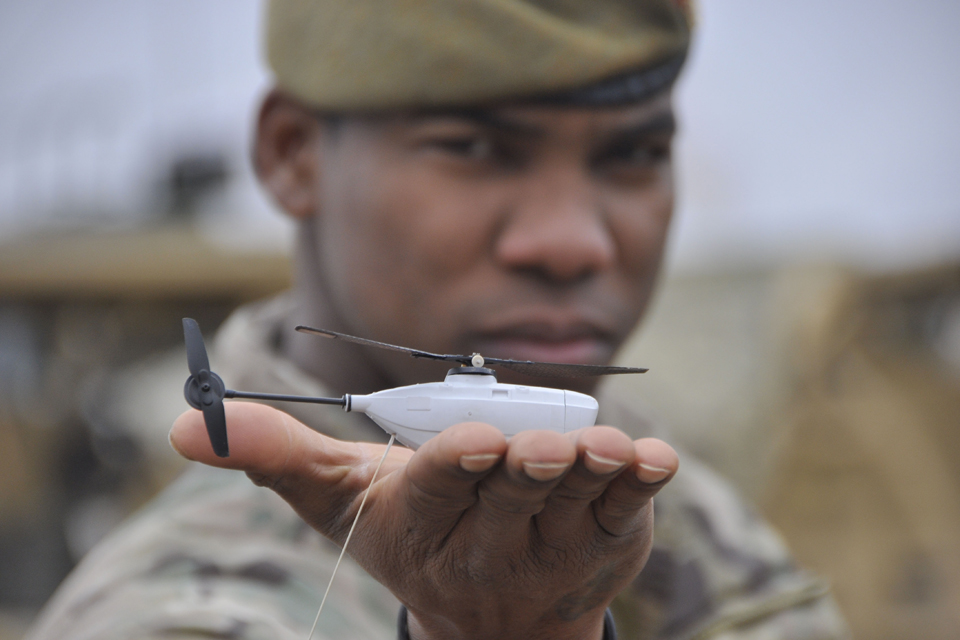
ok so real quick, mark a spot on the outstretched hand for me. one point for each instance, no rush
(477, 536)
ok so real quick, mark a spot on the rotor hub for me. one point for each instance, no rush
(203, 389)
(472, 371)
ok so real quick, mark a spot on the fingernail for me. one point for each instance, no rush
(479, 462)
(600, 465)
(650, 474)
(175, 447)
(544, 471)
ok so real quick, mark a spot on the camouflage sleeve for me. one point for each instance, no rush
(216, 557)
(718, 571)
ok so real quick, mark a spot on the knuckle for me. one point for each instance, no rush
(579, 492)
(268, 481)
(510, 504)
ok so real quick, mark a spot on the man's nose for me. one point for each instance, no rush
(557, 227)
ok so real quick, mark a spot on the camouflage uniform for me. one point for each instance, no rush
(216, 557)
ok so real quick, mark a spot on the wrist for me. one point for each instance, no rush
(605, 631)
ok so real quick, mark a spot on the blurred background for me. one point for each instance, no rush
(805, 340)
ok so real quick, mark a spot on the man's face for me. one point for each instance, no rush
(525, 232)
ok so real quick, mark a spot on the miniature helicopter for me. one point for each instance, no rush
(416, 413)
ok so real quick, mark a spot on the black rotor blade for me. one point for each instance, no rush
(559, 369)
(326, 333)
(216, 420)
(527, 367)
(196, 353)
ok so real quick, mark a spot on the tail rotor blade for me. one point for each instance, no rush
(196, 352)
(204, 389)
(216, 420)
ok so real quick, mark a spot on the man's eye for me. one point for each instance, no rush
(640, 154)
(471, 148)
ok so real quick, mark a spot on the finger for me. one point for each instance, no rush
(602, 453)
(444, 473)
(319, 476)
(622, 508)
(514, 492)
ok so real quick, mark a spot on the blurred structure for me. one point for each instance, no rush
(79, 406)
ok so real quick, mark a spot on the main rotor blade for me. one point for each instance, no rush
(527, 367)
(326, 333)
(196, 352)
(216, 420)
(558, 369)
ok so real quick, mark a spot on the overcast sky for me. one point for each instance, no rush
(810, 130)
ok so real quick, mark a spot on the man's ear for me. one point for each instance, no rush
(286, 155)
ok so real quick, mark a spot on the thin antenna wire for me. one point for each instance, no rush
(353, 526)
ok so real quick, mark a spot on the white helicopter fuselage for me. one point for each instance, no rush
(418, 412)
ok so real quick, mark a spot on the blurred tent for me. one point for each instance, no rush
(866, 484)
(832, 398)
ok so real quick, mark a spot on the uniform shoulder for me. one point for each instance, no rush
(214, 555)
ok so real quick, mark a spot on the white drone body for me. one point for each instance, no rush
(418, 412)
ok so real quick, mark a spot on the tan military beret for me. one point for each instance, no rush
(362, 55)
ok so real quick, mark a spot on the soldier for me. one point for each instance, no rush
(480, 175)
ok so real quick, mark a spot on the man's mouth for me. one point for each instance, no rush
(572, 345)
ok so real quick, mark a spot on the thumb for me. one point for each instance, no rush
(319, 476)
(262, 439)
